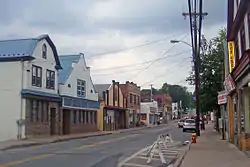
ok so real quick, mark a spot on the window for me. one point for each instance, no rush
(75, 117)
(242, 40)
(36, 76)
(83, 117)
(134, 99)
(95, 117)
(44, 51)
(32, 107)
(47, 111)
(80, 116)
(50, 79)
(130, 98)
(81, 88)
(87, 117)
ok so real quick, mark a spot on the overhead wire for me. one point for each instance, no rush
(160, 55)
(130, 70)
(171, 69)
(136, 64)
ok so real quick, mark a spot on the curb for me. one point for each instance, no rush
(68, 139)
(181, 157)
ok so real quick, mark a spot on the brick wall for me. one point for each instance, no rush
(41, 126)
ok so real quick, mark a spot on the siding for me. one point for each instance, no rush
(10, 99)
(48, 63)
(79, 72)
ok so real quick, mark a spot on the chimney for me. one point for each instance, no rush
(127, 82)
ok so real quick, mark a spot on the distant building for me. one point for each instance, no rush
(131, 93)
(112, 114)
(149, 113)
(79, 99)
(164, 102)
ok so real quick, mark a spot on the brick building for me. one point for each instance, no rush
(131, 93)
(238, 34)
(164, 101)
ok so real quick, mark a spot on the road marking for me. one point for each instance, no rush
(138, 165)
(105, 142)
(18, 162)
(26, 160)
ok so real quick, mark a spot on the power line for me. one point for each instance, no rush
(136, 64)
(171, 69)
(130, 70)
(160, 55)
(134, 47)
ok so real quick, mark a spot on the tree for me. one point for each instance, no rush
(178, 93)
(211, 71)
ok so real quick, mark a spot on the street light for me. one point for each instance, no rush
(196, 83)
(178, 41)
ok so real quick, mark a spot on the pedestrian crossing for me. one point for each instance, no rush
(169, 151)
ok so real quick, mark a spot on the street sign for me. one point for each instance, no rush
(222, 97)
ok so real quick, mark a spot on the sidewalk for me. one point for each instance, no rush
(211, 151)
(11, 144)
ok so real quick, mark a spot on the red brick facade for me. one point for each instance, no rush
(132, 93)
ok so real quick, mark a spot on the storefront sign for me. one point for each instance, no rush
(229, 84)
(231, 56)
(222, 97)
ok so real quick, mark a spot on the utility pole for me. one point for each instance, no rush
(151, 92)
(193, 15)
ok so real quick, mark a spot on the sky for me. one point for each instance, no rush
(121, 39)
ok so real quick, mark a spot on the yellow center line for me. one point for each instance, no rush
(26, 160)
(104, 142)
(22, 161)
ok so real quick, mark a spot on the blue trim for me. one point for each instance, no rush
(39, 93)
(9, 59)
(80, 103)
(22, 49)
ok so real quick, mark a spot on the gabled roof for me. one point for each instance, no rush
(22, 49)
(66, 61)
(99, 88)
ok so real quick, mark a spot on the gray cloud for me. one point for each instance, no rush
(143, 17)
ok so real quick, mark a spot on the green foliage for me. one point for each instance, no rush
(211, 71)
(178, 93)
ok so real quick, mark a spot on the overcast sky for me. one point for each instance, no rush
(94, 27)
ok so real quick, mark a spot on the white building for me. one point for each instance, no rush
(149, 112)
(79, 98)
(28, 88)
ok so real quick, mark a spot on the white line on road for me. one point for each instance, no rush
(132, 164)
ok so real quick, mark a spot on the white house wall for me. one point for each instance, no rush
(10, 103)
(48, 63)
(79, 72)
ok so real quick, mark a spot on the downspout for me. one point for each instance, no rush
(20, 121)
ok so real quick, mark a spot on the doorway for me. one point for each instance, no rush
(66, 121)
(52, 121)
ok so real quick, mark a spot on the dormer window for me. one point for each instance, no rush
(44, 51)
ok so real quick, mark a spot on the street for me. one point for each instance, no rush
(103, 151)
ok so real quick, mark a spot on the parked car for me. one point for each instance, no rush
(180, 123)
(189, 124)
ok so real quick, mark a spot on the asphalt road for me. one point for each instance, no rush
(102, 151)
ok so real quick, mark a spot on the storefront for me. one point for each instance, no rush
(241, 76)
